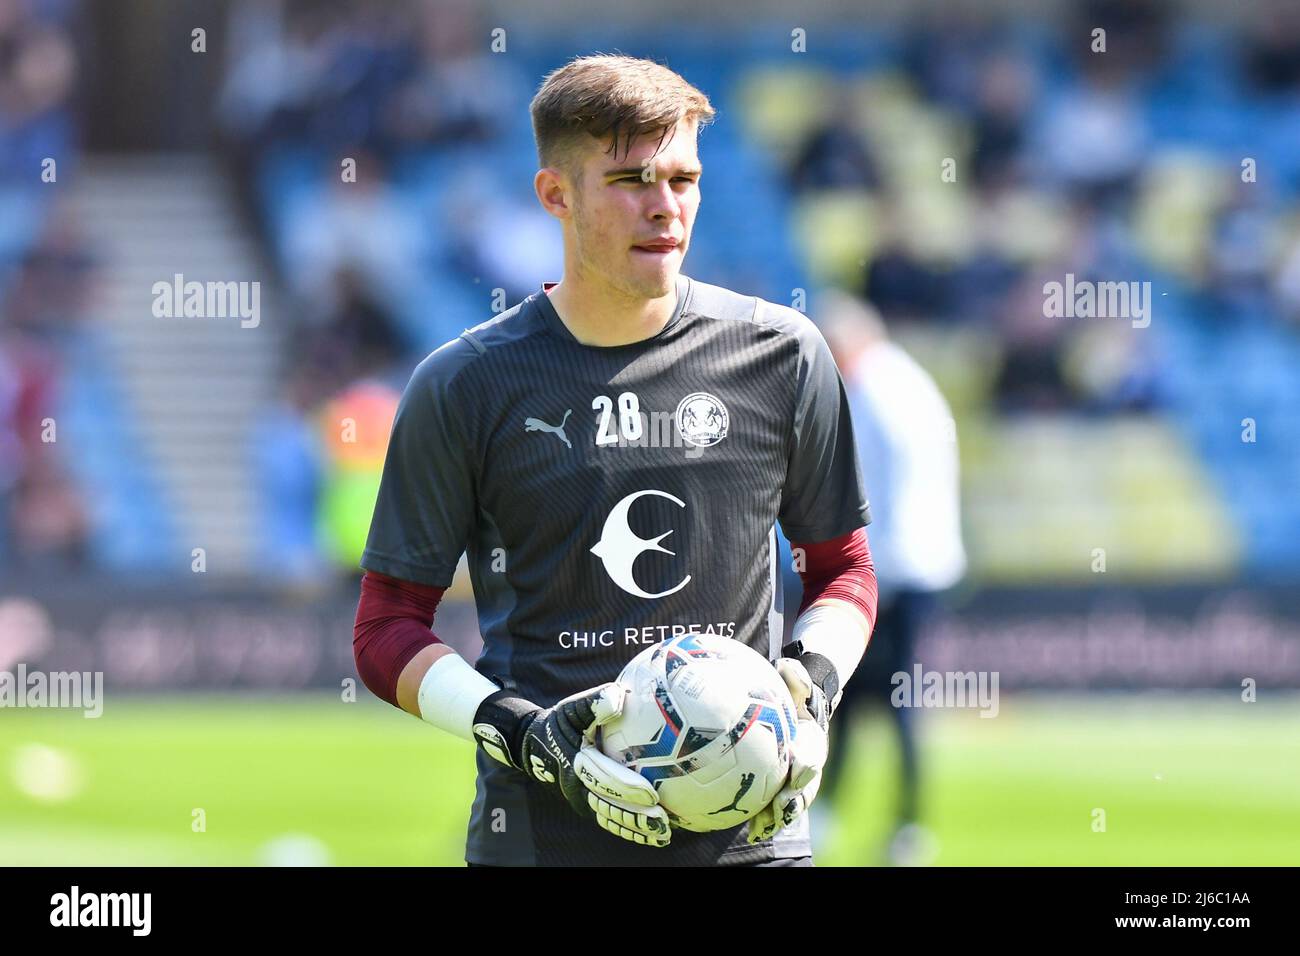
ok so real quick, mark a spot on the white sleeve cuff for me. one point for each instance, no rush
(450, 694)
(837, 633)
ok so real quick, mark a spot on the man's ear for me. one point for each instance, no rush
(554, 192)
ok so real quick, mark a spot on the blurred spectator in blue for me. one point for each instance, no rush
(288, 464)
(365, 226)
(501, 237)
(1243, 244)
(943, 50)
(387, 79)
(454, 90)
(311, 73)
(37, 68)
(1093, 140)
(1005, 92)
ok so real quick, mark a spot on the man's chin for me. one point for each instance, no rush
(658, 284)
(661, 290)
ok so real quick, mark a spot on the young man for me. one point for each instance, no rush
(614, 453)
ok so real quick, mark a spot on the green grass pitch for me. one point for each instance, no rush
(1182, 780)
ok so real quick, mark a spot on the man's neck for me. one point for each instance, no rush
(605, 321)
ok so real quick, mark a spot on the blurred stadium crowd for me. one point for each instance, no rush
(1169, 158)
(45, 519)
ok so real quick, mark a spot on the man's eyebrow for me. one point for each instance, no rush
(638, 170)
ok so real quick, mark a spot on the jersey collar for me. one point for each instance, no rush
(553, 322)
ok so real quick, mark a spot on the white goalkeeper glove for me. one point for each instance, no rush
(555, 746)
(808, 750)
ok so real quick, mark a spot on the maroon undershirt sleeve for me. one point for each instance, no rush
(840, 568)
(394, 616)
(392, 626)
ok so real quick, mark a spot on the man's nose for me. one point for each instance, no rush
(664, 203)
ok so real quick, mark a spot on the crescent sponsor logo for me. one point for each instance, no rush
(619, 546)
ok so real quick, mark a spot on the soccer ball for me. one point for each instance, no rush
(708, 721)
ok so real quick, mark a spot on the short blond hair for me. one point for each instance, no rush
(607, 96)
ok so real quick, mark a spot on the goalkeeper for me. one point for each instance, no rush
(613, 455)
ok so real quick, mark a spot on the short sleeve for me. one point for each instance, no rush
(823, 496)
(424, 513)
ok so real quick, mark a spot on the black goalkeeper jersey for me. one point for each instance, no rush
(608, 498)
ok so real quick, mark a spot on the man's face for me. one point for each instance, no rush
(625, 202)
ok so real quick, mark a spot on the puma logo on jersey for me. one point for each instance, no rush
(537, 425)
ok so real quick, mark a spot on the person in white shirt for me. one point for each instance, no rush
(907, 446)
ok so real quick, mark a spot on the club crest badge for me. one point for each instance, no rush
(702, 419)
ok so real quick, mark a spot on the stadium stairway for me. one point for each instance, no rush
(190, 389)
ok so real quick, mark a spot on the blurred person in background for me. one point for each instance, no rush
(907, 445)
(498, 238)
(452, 92)
(44, 521)
(38, 67)
(365, 227)
(834, 155)
(289, 459)
(50, 523)
(304, 457)
(1031, 377)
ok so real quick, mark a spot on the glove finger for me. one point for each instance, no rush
(632, 836)
(808, 752)
(785, 809)
(761, 825)
(794, 801)
(583, 712)
(652, 821)
(788, 806)
(610, 780)
(609, 703)
(798, 681)
(648, 826)
(810, 790)
(589, 708)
